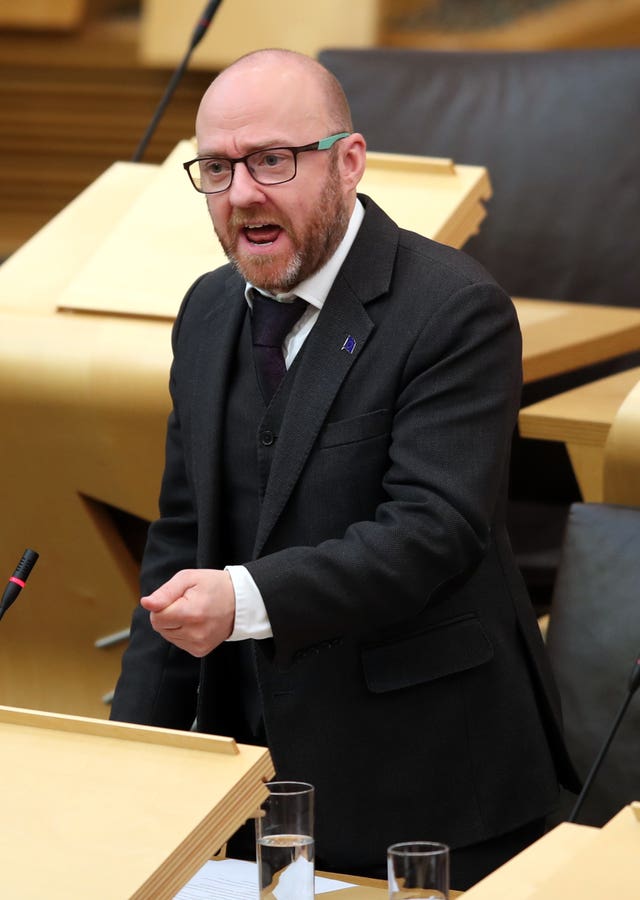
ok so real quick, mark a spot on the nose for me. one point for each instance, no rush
(244, 190)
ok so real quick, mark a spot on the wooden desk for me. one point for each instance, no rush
(559, 337)
(621, 470)
(581, 419)
(376, 888)
(569, 861)
(115, 811)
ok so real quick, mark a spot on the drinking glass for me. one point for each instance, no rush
(418, 869)
(285, 847)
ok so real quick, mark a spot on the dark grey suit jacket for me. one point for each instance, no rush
(406, 677)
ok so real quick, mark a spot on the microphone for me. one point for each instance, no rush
(18, 580)
(632, 687)
(203, 23)
(198, 33)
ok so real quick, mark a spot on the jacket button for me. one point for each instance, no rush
(267, 438)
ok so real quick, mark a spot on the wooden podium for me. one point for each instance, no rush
(572, 862)
(114, 811)
(86, 308)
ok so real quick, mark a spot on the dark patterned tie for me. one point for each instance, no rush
(271, 322)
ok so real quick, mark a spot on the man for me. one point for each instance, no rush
(371, 624)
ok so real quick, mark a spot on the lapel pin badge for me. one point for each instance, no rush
(350, 344)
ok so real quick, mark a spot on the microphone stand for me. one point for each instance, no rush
(198, 33)
(634, 683)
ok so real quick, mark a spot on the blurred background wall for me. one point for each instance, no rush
(80, 79)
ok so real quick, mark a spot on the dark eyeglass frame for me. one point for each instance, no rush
(323, 144)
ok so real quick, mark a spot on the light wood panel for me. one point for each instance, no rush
(435, 197)
(622, 453)
(367, 888)
(559, 337)
(564, 24)
(54, 14)
(244, 25)
(581, 419)
(571, 861)
(53, 390)
(117, 812)
(70, 105)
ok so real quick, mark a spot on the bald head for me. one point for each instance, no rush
(292, 78)
(330, 89)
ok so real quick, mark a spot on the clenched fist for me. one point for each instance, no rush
(195, 610)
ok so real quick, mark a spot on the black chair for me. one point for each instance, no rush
(558, 132)
(593, 639)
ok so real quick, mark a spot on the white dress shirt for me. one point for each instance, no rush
(251, 619)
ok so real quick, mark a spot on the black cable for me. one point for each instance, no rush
(634, 683)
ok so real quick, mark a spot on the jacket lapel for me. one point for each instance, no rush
(339, 336)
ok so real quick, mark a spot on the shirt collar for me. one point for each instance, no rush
(316, 287)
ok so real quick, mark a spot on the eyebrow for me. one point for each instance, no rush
(263, 145)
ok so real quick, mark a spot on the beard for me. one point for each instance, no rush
(313, 244)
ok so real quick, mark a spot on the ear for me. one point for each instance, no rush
(353, 159)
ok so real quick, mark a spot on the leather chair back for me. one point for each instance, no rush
(559, 132)
(593, 641)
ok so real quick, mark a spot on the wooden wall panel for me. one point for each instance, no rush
(69, 107)
(54, 14)
(445, 25)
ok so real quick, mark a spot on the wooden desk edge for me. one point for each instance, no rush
(371, 882)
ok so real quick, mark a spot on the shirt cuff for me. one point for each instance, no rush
(251, 620)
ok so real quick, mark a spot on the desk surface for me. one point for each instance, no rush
(581, 419)
(376, 889)
(559, 337)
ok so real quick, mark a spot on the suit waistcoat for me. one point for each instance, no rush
(250, 432)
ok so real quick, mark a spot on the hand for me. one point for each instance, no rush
(195, 610)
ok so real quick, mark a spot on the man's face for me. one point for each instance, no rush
(286, 247)
(276, 235)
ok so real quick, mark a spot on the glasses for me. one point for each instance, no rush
(275, 165)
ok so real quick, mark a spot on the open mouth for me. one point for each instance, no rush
(261, 234)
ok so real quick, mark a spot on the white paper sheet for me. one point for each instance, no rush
(234, 879)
